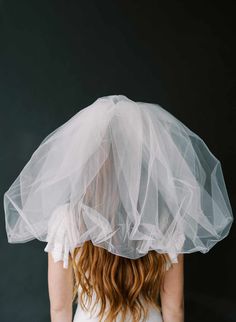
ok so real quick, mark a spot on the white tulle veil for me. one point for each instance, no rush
(133, 178)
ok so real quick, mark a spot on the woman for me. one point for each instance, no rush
(61, 285)
(119, 192)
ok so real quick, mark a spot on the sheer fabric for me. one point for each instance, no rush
(132, 177)
(58, 243)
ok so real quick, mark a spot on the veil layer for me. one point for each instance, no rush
(132, 177)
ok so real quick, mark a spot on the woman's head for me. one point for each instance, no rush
(125, 283)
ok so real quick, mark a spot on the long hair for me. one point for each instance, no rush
(125, 283)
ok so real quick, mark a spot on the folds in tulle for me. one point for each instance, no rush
(134, 178)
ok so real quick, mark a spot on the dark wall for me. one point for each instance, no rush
(57, 57)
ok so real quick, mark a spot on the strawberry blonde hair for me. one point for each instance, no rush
(120, 281)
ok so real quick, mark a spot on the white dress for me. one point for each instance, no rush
(58, 246)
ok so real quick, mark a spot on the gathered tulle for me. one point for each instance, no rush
(133, 178)
(58, 244)
(57, 237)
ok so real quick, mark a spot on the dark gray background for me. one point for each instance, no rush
(57, 57)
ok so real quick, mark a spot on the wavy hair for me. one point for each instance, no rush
(125, 283)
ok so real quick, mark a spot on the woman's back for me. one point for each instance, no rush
(154, 315)
(58, 246)
(82, 316)
(138, 183)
